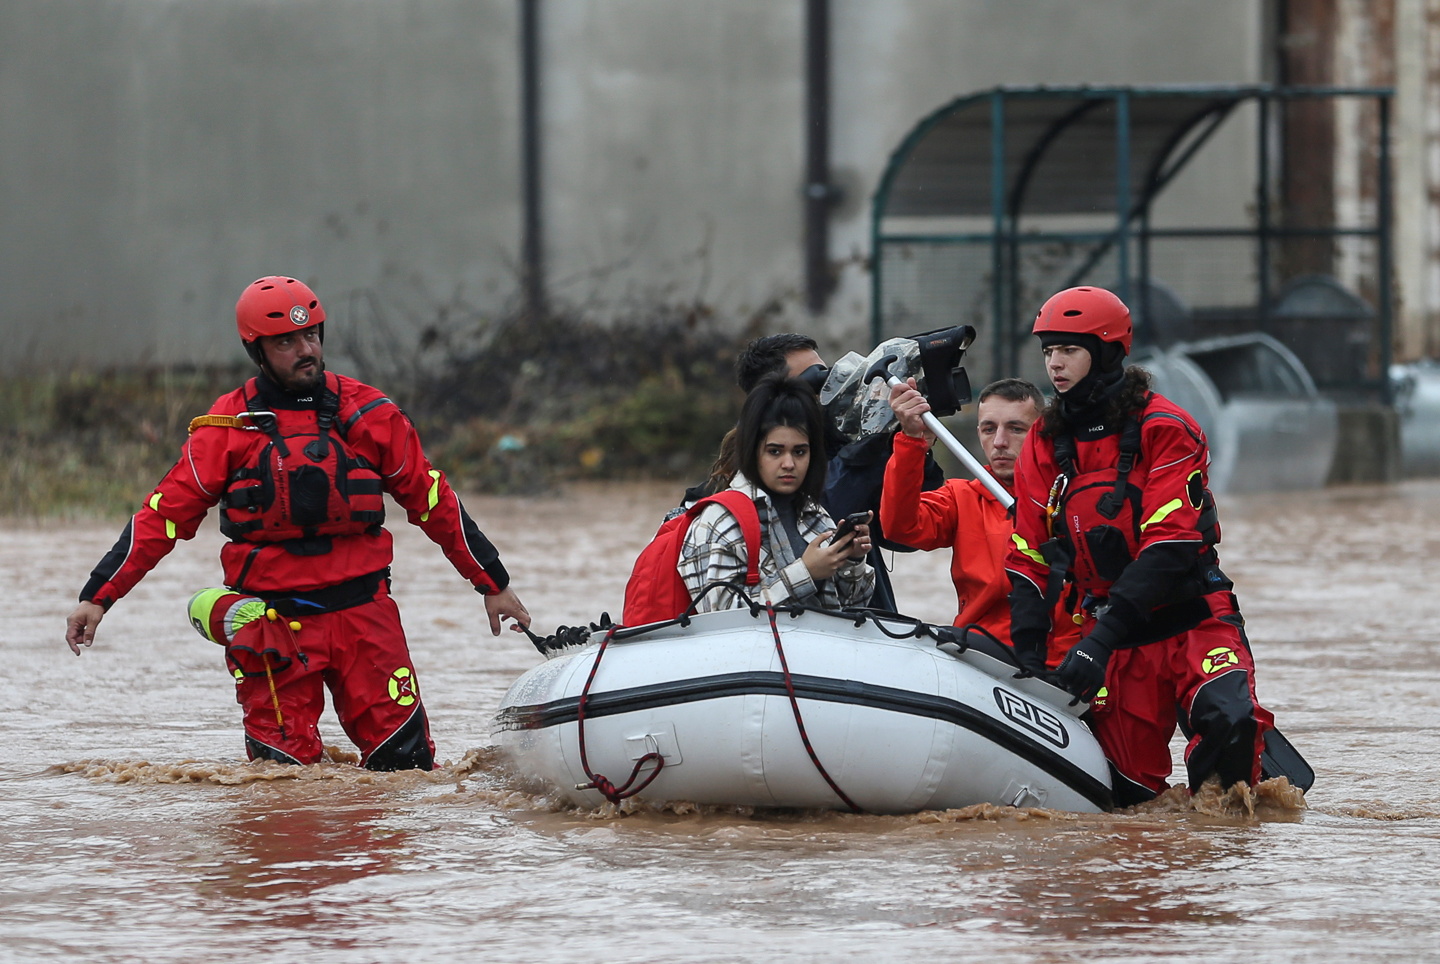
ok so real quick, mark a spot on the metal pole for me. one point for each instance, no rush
(999, 281)
(819, 193)
(532, 248)
(1262, 210)
(1385, 255)
(961, 452)
(1122, 192)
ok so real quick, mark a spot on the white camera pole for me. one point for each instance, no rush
(881, 368)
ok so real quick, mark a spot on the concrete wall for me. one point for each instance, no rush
(159, 154)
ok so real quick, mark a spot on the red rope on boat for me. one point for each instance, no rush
(598, 781)
(795, 705)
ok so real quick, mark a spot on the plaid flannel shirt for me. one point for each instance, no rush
(714, 551)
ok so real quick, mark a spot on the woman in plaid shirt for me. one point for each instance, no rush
(781, 454)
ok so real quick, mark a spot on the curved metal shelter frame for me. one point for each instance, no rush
(975, 171)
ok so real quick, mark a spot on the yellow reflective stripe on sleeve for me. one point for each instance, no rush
(1161, 513)
(1024, 547)
(169, 526)
(434, 496)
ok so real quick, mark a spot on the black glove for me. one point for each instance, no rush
(1082, 674)
(1029, 626)
(1030, 654)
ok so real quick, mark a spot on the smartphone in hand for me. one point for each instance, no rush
(847, 525)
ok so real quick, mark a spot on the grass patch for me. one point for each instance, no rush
(563, 397)
(88, 443)
(517, 405)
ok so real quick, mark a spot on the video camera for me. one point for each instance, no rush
(859, 407)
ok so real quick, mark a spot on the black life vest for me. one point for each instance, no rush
(301, 482)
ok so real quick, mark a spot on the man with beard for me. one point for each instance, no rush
(300, 461)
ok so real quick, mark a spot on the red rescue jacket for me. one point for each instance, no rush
(301, 481)
(1104, 522)
(302, 503)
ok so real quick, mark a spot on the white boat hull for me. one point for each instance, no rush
(898, 724)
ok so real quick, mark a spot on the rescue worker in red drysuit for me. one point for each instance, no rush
(1112, 498)
(963, 515)
(299, 460)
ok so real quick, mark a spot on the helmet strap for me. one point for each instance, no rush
(256, 353)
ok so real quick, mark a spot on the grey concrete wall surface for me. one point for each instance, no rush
(159, 154)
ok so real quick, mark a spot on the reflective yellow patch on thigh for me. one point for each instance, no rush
(1222, 657)
(404, 689)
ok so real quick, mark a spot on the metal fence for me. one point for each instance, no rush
(1211, 211)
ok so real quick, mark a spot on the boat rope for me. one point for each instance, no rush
(917, 628)
(799, 722)
(598, 781)
(728, 585)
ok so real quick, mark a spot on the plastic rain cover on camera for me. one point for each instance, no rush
(859, 410)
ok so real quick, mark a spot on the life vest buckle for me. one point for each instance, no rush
(260, 418)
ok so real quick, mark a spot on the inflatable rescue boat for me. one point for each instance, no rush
(798, 708)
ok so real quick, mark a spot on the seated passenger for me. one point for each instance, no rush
(855, 469)
(780, 452)
(962, 515)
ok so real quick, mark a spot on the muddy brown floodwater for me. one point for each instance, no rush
(131, 829)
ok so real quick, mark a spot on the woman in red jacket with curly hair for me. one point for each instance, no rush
(1112, 499)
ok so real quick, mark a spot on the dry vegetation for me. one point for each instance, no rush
(514, 405)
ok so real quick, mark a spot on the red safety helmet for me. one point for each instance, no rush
(274, 305)
(1085, 311)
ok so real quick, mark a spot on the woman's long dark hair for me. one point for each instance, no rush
(774, 402)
